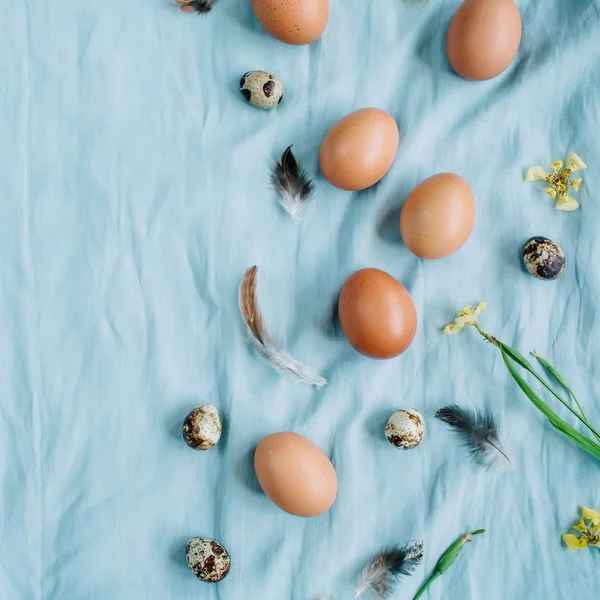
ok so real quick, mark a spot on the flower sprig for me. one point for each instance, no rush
(560, 181)
(513, 360)
(465, 317)
(590, 533)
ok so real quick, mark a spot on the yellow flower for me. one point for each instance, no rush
(589, 514)
(465, 317)
(590, 533)
(559, 180)
(574, 542)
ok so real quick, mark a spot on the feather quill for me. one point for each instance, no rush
(479, 434)
(295, 188)
(262, 341)
(383, 572)
(195, 6)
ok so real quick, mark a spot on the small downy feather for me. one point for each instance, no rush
(479, 434)
(264, 344)
(383, 572)
(200, 7)
(295, 188)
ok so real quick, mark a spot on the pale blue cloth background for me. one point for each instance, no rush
(134, 194)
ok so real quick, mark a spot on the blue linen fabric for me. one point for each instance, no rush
(134, 194)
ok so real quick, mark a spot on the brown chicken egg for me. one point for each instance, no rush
(359, 149)
(295, 474)
(438, 216)
(483, 38)
(377, 314)
(297, 22)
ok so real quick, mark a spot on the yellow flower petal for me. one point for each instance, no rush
(575, 163)
(452, 329)
(535, 174)
(551, 192)
(466, 310)
(589, 513)
(576, 183)
(557, 166)
(573, 542)
(466, 320)
(481, 306)
(581, 526)
(566, 203)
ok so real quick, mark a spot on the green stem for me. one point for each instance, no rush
(562, 382)
(523, 362)
(424, 587)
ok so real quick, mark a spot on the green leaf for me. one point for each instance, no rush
(563, 427)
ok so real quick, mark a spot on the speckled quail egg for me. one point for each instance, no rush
(207, 559)
(543, 258)
(405, 428)
(261, 89)
(202, 427)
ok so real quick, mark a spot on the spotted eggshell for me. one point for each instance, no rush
(543, 258)
(207, 559)
(202, 427)
(405, 428)
(261, 89)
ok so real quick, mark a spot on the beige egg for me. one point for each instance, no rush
(295, 474)
(483, 38)
(207, 559)
(405, 428)
(297, 22)
(438, 216)
(359, 149)
(202, 427)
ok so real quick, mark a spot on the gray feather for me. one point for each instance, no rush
(294, 187)
(383, 572)
(479, 434)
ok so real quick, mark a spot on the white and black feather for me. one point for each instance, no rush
(478, 432)
(262, 341)
(200, 7)
(383, 572)
(295, 188)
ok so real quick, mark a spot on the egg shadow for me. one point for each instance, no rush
(177, 553)
(177, 417)
(430, 48)
(242, 13)
(246, 474)
(389, 226)
(375, 423)
(331, 325)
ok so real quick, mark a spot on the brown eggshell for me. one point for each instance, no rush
(377, 314)
(359, 149)
(295, 474)
(297, 22)
(438, 216)
(483, 38)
